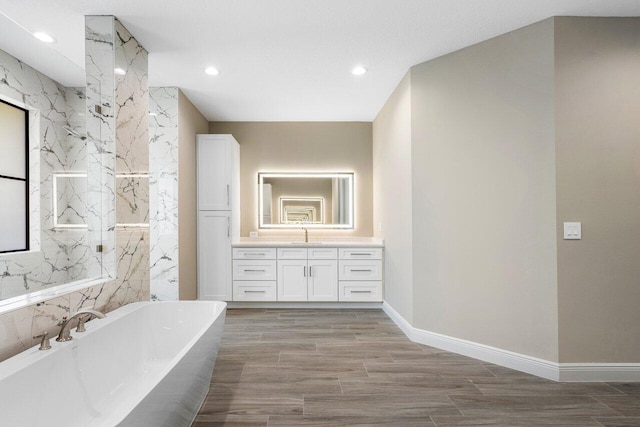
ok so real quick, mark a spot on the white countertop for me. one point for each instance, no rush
(275, 242)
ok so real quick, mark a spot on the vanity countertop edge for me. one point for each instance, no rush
(251, 242)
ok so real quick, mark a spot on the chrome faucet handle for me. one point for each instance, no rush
(45, 344)
(81, 322)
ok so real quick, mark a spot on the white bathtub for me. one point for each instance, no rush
(145, 364)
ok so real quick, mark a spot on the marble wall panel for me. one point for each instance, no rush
(163, 169)
(48, 263)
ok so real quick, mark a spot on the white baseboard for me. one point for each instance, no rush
(598, 372)
(566, 372)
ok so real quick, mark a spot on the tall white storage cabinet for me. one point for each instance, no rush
(218, 213)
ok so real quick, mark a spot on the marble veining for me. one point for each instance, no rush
(68, 253)
(132, 101)
(163, 187)
(55, 257)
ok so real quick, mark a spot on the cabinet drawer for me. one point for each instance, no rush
(254, 270)
(254, 253)
(360, 291)
(249, 290)
(323, 253)
(360, 253)
(360, 270)
(292, 253)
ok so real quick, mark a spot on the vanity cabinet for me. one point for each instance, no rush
(360, 274)
(299, 274)
(307, 274)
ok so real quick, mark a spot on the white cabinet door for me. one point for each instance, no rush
(214, 173)
(323, 280)
(214, 256)
(292, 280)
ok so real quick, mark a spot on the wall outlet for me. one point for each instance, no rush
(572, 230)
(379, 226)
(253, 234)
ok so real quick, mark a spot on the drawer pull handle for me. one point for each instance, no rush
(361, 253)
(368, 270)
(255, 253)
(261, 271)
(254, 292)
(360, 292)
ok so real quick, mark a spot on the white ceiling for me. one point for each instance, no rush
(280, 60)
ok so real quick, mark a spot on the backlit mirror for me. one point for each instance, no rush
(312, 200)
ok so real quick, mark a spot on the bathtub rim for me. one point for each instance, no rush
(32, 355)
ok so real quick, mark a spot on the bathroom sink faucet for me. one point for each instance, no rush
(306, 235)
(64, 334)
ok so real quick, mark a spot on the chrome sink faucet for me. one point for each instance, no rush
(306, 235)
(64, 334)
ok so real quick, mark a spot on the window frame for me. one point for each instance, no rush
(25, 180)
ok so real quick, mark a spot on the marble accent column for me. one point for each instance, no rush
(132, 166)
(163, 187)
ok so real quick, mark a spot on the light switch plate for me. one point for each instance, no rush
(572, 230)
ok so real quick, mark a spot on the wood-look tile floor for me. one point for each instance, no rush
(355, 367)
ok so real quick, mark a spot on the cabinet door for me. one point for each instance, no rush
(214, 173)
(323, 280)
(214, 256)
(292, 280)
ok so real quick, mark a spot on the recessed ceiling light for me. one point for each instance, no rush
(358, 71)
(43, 37)
(119, 71)
(212, 71)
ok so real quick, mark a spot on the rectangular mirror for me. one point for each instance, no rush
(312, 200)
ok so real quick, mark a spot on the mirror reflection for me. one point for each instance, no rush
(50, 169)
(293, 200)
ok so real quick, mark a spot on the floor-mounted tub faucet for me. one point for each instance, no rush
(64, 334)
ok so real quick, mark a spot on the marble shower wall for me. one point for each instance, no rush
(56, 256)
(117, 137)
(163, 167)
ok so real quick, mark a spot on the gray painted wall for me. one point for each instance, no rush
(191, 122)
(509, 139)
(598, 183)
(483, 162)
(392, 212)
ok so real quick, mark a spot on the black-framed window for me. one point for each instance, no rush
(14, 178)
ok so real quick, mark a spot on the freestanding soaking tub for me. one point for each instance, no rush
(145, 364)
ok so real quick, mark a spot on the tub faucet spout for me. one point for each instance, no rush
(64, 334)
